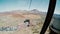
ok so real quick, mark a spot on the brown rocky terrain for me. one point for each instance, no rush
(17, 18)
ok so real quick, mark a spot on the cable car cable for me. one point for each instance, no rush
(30, 4)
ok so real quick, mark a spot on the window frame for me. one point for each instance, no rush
(49, 15)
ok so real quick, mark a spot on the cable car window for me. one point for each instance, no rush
(22, 16)
(55, 22)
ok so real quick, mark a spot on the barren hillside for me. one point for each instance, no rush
(14, 20)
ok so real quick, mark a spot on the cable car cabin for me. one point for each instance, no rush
(55, 26)
(27, 22)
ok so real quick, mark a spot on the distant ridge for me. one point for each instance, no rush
(34, 11)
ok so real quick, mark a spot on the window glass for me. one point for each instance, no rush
(57, 9)
(22, 16)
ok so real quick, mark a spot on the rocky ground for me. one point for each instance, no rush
(17, 21)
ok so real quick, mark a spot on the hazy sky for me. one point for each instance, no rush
(42, 5)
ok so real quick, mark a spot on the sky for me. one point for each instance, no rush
(41, 5)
